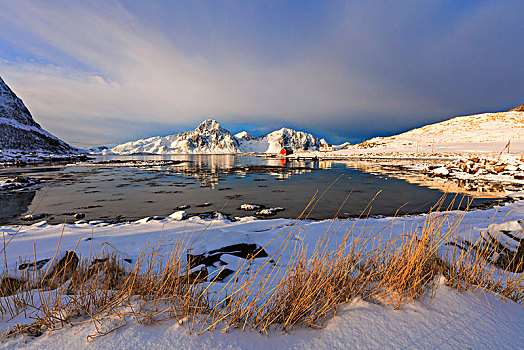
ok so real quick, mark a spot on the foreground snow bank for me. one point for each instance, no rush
(450, 320)
(131, 238)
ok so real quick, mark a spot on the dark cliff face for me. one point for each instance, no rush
(19, 131)
(12, 107)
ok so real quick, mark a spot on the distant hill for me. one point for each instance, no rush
(18, 130)
(211, 138)
(478, 128)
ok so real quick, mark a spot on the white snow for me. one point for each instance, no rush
(451, 320)
(178, 215)
(479, 133)
(441, 171)
(244, 135)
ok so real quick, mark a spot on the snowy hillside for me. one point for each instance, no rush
(18, 130)
(478, 128)
(210, 138)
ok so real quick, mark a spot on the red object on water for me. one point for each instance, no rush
(285, 151)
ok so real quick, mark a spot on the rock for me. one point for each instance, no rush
(206, 204)
(79, 216)
(31, 217)
(198, 276)
(39, 264)
(222, 274)
(266, 212)
(178, 215)
(62, 271)
(249, 207)
(240, 250)
(183, 207)
(219, 216)
(269, 211)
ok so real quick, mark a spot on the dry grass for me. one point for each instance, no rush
(289, 288)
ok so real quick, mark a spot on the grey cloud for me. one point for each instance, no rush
(382, 68)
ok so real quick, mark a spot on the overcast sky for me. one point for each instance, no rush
(106, 72)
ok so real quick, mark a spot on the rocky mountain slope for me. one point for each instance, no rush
(211, 138)
(18, 130)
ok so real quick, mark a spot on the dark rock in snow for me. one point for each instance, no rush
(62, 271)
(240, 250)
(39, 264)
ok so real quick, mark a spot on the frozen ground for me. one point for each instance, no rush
(467, 320)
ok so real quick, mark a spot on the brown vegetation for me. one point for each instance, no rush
(304, 290)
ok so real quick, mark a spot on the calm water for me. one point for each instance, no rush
(131, 192)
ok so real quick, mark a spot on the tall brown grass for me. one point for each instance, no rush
(295, 285)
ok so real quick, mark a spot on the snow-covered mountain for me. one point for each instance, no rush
(18, 130)
(478, 128)
(274, 141)
(210, 138)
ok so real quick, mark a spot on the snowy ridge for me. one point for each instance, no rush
(208, 137)
(19, 131)
(478, 128)
(211, 138)
(244, 135)
(274, 141)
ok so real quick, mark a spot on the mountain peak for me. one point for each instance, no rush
(18, 129)
(12, 107)
(208, 125)
(244, 135)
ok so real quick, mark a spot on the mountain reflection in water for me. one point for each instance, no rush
(134, 187)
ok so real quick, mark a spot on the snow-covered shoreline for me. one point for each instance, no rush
(450, 320)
